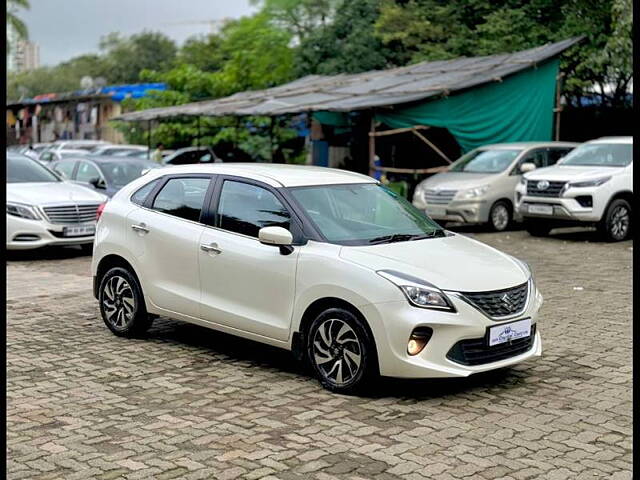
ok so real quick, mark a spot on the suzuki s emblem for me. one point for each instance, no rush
(543, 185)
(506, 300)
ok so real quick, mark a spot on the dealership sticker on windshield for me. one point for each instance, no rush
(542, 209)
(509, 332)
(79, 231)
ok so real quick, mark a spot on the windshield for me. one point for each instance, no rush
(485, 161)
(118, 174)
(361, 214)
(25, 170)
(600, 155)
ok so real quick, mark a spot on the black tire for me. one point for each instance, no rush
(615, 225)
(536, 228)
(500, 216)
(360, 359)
(122, 303)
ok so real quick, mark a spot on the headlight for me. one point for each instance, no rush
(590, 183)
(474, 192)
(22, 211)
(418, 292)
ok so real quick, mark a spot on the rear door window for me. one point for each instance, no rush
(182, 197)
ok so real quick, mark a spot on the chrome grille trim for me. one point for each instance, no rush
(553, 190)
(71, 213)
(438, 197)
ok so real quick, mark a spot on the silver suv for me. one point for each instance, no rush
(479, 187)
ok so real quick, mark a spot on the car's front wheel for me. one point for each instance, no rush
(341, 351)
(500, 216)
(616, 222)
(122, 304)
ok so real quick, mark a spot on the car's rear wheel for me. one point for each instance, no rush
(122, 304)
(615, 225)
(536, 228)
(500, 216)
(341, 351)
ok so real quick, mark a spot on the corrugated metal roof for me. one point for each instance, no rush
(380, 88)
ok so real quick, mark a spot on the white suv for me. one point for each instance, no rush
(326, 263)
(592, 185)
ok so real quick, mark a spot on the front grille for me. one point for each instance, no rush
(438, 197)
(476, 351)
(500, 303)
(72, 213)
(553, 189)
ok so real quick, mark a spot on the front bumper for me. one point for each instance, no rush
(25, 234)
(564, 209)
(463, 211)
(394, 322)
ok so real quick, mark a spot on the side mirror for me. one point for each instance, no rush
(527, 167)
(97, 183)
(278, 237)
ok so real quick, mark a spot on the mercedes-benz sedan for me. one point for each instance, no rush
(329, 264)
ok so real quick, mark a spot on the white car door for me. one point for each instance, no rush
(246, 285)
(165, 236)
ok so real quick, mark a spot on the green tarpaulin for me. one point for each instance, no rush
(520, 108)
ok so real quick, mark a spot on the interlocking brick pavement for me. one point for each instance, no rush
(190, 403)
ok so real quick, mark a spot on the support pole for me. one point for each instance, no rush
(372, 146)
(558, 108)
(271, 139)
(428, 142)
(148, 139)
(198, 138)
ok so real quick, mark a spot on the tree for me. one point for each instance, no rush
(128, 56)
(347, 45)
(14, 22)
(299, 17)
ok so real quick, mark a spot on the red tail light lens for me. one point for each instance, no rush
(100, 210)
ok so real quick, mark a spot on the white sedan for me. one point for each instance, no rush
(327, 263)
(42, 209)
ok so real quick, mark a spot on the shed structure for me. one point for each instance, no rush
(479, 100)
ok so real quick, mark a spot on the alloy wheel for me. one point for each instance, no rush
(500, 217)
(337, 351)
(118, 302)
(619, 223)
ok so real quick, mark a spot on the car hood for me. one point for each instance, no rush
(453, 262)
(574, 173)
(51, 193)
(457, 180)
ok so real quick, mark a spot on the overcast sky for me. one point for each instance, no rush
(67, 28)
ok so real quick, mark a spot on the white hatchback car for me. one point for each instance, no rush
(43, 209)
(327, 263)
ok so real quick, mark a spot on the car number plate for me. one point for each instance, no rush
(542, 209)
(509, 331)
(79, 231)
(436, 211)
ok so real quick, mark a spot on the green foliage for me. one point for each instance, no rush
(417, 30)
(127, 57)
(347, 45)
(14, 21)
(299, 17)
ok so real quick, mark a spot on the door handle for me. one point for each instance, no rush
(210, 248)
(142, 228)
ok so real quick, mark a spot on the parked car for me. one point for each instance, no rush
(324, 262)
(146, 154)
(32, 151)
(47, 157)
(118, 149)
(42, 209)
(102, 173)
(479, 186)
(189, 155)
(87, 145)
(593, 185)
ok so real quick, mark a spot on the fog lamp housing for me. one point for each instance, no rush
(418, 340)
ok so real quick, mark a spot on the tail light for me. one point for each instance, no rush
(100, 210)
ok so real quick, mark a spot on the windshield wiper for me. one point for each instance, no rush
(401, 237)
